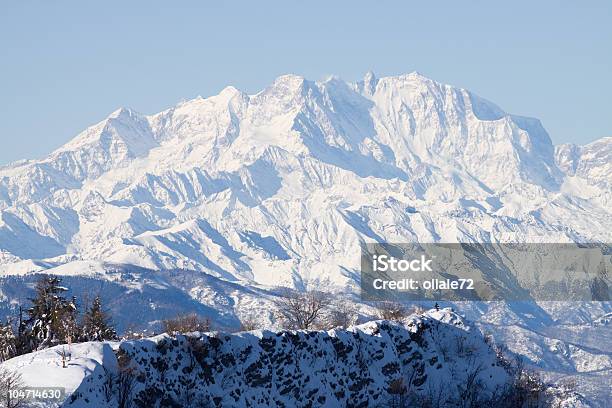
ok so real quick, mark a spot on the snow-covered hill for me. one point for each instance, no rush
(435, 357)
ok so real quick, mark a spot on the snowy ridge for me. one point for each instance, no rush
(592, 162)
(434, 353)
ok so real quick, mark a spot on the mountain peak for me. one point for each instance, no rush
(289, 83)
(417, 74)
(94, 134)
(369, 82)
(122, 112)
(230, 91)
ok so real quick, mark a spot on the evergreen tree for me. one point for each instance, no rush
(69, 330)
(96, 323)
(7, 342)
(23, 342)
(52, 318)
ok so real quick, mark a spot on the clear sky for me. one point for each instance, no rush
(67, 64)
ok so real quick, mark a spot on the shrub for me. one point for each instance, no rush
(392, 311)
(302, 310)
(186, 324)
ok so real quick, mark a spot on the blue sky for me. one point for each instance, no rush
(67, 64)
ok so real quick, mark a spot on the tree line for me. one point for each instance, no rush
(53, 319)
(297, 310)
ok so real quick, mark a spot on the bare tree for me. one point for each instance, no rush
(10, 384)
(417, 309)
(341, 314)
(302, 310)
(398, 393)
(393, 311)
(437, 395)
(471, 390)
(528, 388)
(248, 323)
(125, 380)
(186, 324)
(64, 354)
(108, 385)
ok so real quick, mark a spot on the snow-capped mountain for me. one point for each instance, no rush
(282, 186)
(203, 207)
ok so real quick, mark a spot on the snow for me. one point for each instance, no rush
(262, 366)
(44, 368)
(314, 169)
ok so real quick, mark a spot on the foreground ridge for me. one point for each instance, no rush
(434, 355)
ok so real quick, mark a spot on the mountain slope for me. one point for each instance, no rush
(592, 162)
(310, 169)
